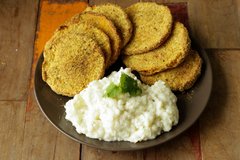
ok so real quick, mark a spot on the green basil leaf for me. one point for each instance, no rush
(128, 84)
(113, 91)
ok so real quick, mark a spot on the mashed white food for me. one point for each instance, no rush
(124, 118)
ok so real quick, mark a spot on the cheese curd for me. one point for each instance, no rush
(124, 118)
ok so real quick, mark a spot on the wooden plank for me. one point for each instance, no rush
(41, 139)
(96, 154)
(11, 129)
(184, 147)
(215, 23)
(123, 3)
(219, 125)
(67, 149)
(17, 31)
(237, 3)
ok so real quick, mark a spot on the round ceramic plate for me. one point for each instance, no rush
(190, 103)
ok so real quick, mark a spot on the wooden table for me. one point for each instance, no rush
(25, 133)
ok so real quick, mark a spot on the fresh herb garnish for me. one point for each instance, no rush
(113, 90)
(127, 85)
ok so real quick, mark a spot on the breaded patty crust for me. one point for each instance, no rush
(71, 62)
(106, 25)
(169, 55)
(84, 28)
(180, 78)
(118, 16)
(152, 25)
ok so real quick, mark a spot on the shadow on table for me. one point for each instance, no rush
(218, 98)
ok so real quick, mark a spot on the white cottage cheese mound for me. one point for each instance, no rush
(126, 118)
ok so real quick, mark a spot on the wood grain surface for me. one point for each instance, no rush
(219, 125)
(26, 134)
(44, 141)
(17, 31)
(41, 140)
(215, 23)
(11, 129)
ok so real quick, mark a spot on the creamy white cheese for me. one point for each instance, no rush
(125, 118)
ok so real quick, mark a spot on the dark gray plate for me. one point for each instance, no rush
(191, 104)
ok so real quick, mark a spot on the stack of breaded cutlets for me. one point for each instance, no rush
(160, 49)
(90, 42)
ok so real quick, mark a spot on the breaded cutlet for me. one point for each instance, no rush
(169, 55)
(71, 62)
(118, 16)
(180, 78)
(152, 24)
(103, 23)
(84, 28)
